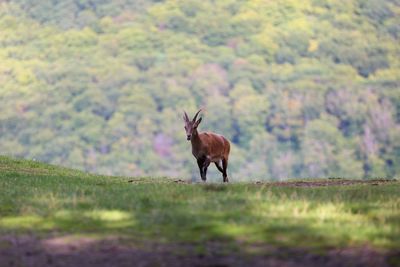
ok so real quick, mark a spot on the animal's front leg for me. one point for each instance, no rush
(200, 163)
(206, 163)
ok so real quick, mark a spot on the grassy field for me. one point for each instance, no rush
(46, 200)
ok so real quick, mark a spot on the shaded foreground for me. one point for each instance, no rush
(51, 216)
(78, 251)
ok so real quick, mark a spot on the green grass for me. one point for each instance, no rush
(45, 199)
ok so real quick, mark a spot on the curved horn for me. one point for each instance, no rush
(186, 117)
(195, 116)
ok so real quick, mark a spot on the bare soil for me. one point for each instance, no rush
(293, 183)
(329, 182)
(65, 251)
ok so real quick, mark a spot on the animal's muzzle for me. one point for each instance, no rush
(188, 137)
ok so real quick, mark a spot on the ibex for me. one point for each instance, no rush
(207, 147)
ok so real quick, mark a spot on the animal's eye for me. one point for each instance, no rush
(185, 127)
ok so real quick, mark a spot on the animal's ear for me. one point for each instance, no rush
(198, 122)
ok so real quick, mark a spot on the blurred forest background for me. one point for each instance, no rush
(305, 88)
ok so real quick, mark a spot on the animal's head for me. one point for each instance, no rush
(191, 125)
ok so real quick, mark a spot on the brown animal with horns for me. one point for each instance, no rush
(207, 147)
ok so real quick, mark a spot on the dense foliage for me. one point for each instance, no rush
(302, 88)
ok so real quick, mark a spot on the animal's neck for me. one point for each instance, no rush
(195, 139)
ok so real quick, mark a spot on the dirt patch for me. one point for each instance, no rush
(65, 251)
(329, 182)
(310, 183)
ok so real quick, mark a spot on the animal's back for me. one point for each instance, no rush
(217, 145)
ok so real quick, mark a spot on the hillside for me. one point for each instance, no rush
(301, 88)
(52, 216)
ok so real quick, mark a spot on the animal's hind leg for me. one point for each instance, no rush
(218, 165)
(224, 167)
